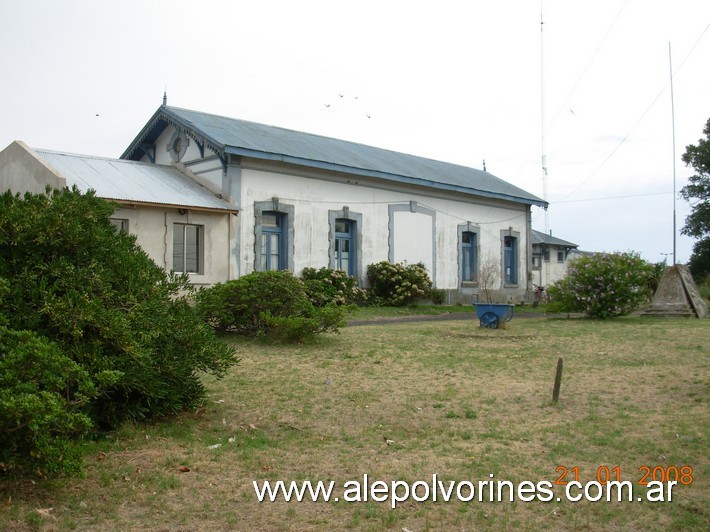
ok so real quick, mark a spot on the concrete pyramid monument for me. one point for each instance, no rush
(677, 296)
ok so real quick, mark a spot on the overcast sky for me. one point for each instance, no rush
(456, 81)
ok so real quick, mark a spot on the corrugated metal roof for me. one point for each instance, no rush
(130, 181)
(262, 141)
(543, 238)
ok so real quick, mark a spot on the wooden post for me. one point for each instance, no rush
(558, 381)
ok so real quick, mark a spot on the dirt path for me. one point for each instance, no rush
(447, 317)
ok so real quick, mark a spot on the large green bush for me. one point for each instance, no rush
(604, 285)
(105, 304)
(273, 303)
(397, 285)
(326, 285)
(41, 394)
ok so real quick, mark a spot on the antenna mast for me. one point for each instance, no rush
(542, 120)
(670, 65)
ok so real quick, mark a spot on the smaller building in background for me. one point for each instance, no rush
(550, 258)
(180, 224)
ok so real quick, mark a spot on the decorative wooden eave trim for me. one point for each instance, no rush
(148, 150)
(158, 123)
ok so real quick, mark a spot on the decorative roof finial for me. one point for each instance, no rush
(484, 165)
(165, 98)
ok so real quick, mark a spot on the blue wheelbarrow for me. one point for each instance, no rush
(492, 314)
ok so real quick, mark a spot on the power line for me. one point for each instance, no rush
(623, 140)
(615, 197)
(543, 127)
(589, 64)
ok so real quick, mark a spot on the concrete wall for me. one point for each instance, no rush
(21, 170)
(154, 226)
(401, 225)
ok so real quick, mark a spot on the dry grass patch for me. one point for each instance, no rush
(405, 401)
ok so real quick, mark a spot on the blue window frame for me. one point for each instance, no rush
(273, 242)
(510, 260)
(468, 256)
(345, 246)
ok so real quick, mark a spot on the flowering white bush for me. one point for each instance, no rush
(326, 285)
(396, 284)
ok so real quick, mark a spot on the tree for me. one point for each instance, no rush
(103, 303)
(697, 224)
(488, 279)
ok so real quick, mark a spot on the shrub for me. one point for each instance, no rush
(326, 285)
(271, 303)
(41, 394)
(438, 296)
(106, 304)
(397, 285)
(603, 285)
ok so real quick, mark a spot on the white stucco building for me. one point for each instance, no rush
(550, 258)
(258, 197)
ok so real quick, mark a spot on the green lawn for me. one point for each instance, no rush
(404, 401)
